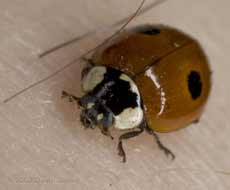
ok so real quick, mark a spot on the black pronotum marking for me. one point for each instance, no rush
(194, 84)
(115, 92)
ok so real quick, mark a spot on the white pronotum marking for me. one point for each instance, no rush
(130, 117)
(93, 78)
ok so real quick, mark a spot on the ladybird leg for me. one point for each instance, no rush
(89, 65)
(105, 131)
(70, 96)
(89, 61)
(125, 136)
(160, 145)
(106, 120)
(196, 121)
(85, 120)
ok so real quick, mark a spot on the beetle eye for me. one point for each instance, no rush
(194, 84)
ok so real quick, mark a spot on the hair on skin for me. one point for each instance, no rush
(125, 21)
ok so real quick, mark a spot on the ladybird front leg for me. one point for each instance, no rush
(86, 121)
(105, 119)
(70, 96)
(105, 131)
(126, 136)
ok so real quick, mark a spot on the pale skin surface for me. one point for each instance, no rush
(44, 146)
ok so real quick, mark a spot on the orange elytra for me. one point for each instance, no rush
(170, 70)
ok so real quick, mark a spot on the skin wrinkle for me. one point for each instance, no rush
(178, 169)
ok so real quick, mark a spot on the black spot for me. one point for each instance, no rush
(149, 30)
(116, 93)
(194, 84)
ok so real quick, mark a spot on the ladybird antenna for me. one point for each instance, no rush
(137, 12)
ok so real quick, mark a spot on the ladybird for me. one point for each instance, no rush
(150, 78)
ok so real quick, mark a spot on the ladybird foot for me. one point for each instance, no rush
(121, 151)
(160, 145)
(163, 148)
(167, 151)
(106, 132)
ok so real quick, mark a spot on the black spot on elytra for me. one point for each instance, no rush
(149, 30)
(116, 93)
(194, 84)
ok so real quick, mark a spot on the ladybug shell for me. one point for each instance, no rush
(170, 70)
